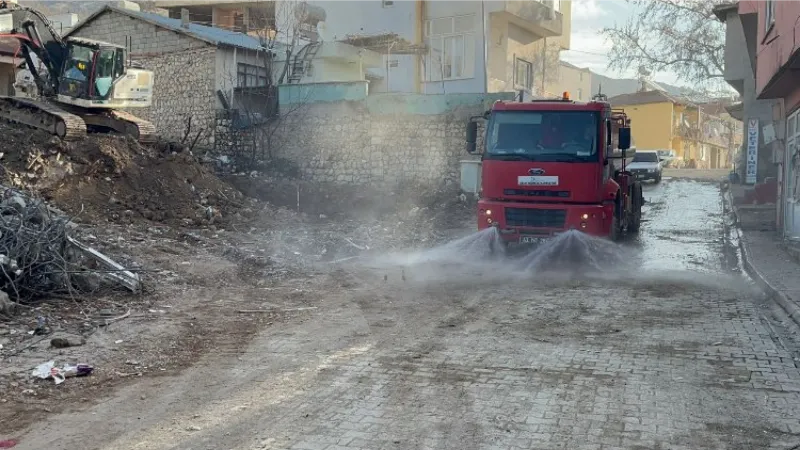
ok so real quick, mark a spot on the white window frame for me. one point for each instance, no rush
(769, 16)
(580, 93)
(527, 87)
(434, 66)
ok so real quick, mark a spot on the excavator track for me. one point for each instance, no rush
(145, 131)
(126, 124)
(44, 116)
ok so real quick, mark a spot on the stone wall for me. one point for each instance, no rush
(368, 142)
(184, 73)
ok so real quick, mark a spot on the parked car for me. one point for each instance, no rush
(646, 165)
(667, 157)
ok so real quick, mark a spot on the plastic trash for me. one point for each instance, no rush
(8, 443)
(49, 370)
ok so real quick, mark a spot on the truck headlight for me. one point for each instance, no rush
(651, 170)
(585, 216)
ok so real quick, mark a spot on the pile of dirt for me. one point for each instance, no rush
(112, 178)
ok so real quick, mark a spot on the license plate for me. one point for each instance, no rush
(529, 239)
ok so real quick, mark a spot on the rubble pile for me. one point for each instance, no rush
(39, 258)
(109, 178)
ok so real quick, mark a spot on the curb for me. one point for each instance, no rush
(790, 307)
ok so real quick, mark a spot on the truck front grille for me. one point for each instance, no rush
(536, 218)
(529, 193)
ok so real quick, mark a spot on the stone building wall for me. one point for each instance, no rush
(184, 73)
(346, 142)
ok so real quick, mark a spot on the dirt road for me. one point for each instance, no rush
(683, 356)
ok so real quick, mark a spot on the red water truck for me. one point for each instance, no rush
(548, 166)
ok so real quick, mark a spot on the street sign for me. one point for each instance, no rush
(752, 152)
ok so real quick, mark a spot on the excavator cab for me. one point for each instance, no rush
(90, 70)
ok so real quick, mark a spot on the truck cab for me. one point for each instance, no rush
(548, 166)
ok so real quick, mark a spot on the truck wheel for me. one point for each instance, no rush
(658, 179)
(636, 216)
(614, 233)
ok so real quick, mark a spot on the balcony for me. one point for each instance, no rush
(538, 16)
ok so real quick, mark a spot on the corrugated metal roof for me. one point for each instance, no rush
(212, 35)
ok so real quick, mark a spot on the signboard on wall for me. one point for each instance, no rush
(752, 152)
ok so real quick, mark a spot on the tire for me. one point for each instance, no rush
(636, 221)
(613, 235)
(658, 178)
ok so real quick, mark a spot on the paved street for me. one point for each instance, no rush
(682, 356)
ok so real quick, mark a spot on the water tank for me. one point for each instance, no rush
(310, 14)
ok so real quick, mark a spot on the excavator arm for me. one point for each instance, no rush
(50, 51)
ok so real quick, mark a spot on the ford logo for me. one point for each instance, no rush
(536, 172)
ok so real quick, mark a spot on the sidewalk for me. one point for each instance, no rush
(766, 260)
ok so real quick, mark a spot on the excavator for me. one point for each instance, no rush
(82, 84)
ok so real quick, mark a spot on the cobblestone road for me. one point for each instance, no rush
(684, 361)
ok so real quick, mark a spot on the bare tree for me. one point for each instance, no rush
(682, 36)
(247, 128)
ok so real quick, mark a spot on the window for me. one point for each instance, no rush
(557, 5)
(769, 16)
(580, 94)
(387, 3)
(570, 136)
(248, 75)
(451, 41)
(523, 74)
(645, 157)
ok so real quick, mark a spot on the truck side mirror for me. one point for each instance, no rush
(624, 138)
(472, 136)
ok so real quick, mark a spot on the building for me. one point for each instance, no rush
(573, 79)
(661, 121)
(761, 60)
(249, 17)
(740, 73)
(430, 47)
(199, 70)
(63, 23)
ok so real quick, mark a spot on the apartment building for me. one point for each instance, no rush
(762, 55)
(430, 47)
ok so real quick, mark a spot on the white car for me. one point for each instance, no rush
(646, 165)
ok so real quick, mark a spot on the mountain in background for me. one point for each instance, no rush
(82, 9)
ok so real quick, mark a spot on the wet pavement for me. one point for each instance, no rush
(683, 227)
(430, 354)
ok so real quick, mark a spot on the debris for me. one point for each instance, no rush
(8, 443)
(6, 305)
(193, 428)
(39, 258)
(65, 343)
(119, 341)
(48, 370)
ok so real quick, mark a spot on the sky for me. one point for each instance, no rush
(588, 48)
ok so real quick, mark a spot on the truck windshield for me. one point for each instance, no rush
(563, 136)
